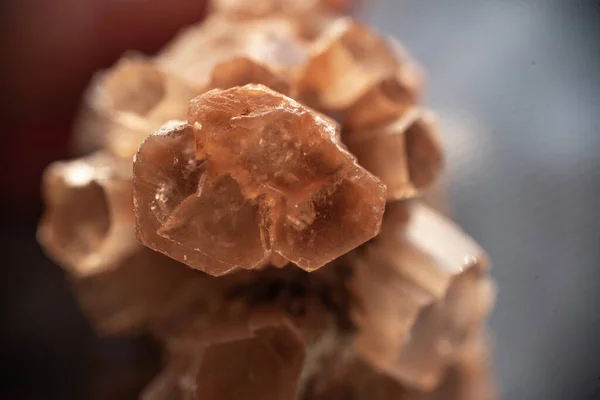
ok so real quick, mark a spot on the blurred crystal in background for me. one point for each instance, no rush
(517, 89)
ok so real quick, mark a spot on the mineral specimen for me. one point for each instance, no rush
(269, 175)
(275, 135)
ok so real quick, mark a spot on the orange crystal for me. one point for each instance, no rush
(242, 70)
(130, 100)
(421, 291)
(198, 49)
(165, 174)
(405, 155)
(316, 202)
(88, 219)
(347, 63)
(269, 176)
(257, 356)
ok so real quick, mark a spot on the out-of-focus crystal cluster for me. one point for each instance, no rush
(252, 200)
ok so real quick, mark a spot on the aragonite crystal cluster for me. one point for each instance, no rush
(251, 199)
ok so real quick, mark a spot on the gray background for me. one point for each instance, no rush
(516, 85)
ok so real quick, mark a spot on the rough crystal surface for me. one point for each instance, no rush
(166, 173)
(316, 202)
(269, 175)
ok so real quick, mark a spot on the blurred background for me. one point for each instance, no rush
(516, 84)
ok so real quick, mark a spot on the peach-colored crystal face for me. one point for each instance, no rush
(134, 87)
(130, 100)
(441, 329)
(316, 202)
(256, 356)
(260, 372)
(221, 220)
(345, 63)
(165, 174)
(404, 154)
(269, 175)
(387, 100)
(240, 71)
(88, 219)
(77, 225)
(422, 291)
(268, 142)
